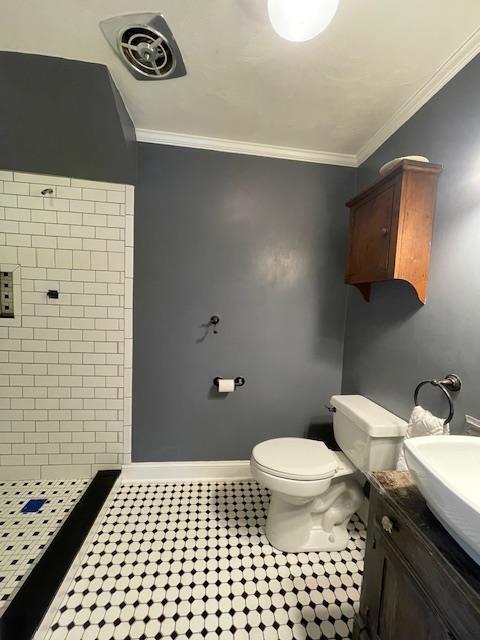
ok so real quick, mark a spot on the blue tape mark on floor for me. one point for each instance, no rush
(32, 506)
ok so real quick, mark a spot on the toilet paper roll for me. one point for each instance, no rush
(226, 385)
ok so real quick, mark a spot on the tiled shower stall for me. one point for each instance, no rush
(66, 363)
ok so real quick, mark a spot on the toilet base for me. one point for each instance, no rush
(319, 524)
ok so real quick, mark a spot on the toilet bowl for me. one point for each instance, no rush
(313, 494)
(313, 490)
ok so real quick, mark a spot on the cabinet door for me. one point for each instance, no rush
(370, 237)
(394, 607)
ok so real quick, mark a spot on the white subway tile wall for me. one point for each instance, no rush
(66, 363)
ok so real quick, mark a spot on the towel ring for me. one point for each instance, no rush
(452, 381)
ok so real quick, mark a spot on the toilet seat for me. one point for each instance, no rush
(295, 459)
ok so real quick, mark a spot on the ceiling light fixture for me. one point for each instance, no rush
(300, 20)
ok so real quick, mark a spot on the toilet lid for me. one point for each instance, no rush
(295, 458)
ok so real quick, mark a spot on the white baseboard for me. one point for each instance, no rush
(171, 471)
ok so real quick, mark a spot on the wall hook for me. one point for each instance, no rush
(214, 320)
(206, 326)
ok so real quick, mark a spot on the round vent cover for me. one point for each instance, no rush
(146, 45)
(147, 51)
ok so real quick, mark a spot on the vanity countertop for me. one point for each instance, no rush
(398, 489)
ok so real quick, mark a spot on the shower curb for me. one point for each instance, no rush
(29, 605)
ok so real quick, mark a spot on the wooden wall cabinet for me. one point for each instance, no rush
(391, 228)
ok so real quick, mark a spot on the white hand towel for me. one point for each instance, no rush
(422, 423)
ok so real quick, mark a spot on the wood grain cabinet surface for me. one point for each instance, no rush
(417, 584)
(391, 228)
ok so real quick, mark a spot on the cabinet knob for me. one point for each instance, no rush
(384, 231)
(387, 524)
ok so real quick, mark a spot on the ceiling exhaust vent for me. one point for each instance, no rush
(145, 45)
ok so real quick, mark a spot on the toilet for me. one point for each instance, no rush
(313, 489)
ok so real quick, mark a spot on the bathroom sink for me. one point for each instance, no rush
(446, 470)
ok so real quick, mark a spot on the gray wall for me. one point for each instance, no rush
(394, 342)
(261, 242)
(64, 117)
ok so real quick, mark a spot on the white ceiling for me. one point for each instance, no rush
(376, 64)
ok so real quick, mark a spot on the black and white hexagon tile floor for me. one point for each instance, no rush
(190, 560)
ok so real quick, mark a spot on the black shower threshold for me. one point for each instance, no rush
(25, 612)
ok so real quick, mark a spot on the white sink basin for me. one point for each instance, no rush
(446, 470)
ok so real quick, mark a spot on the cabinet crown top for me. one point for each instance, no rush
(404, 166)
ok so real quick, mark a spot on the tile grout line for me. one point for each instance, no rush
(190, 560)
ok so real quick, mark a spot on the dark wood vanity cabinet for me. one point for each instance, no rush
(391, 228)
(418, 583)
(395, 603)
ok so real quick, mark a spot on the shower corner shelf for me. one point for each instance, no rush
(391, 228)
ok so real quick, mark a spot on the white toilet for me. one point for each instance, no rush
(314, 493)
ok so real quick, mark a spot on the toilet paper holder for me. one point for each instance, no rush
(239, 382)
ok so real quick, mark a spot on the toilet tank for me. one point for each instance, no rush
(369, 435)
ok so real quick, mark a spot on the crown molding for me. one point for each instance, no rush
(455, 63)
(248, 148)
